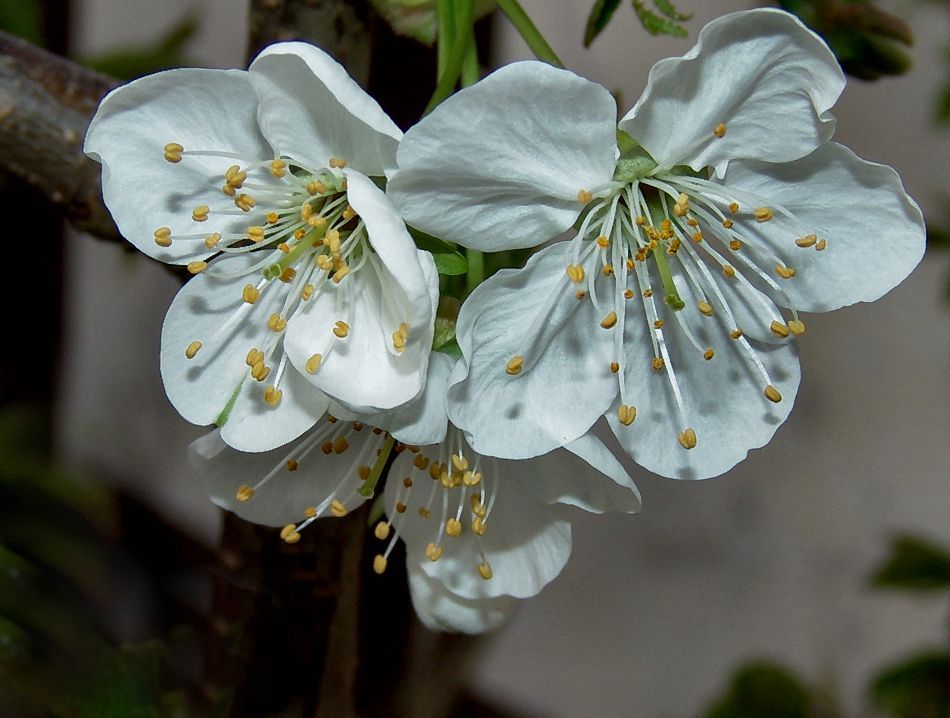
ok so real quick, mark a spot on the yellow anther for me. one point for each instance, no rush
(307, 292)
(228, 190)
(278, 168)
(797, 327)
(735, 245)
(609, 321)
(459, 462)
(338, 509)
(628, 294)
(306, 211)
(421, 462)
(316, 188)
(407, 482)
(575, 273)
(682, 205)
(435, 470)
(674, 246)
(658, 363)
(272, 218)
(727, 223)
(583, 196)
(641, 220)
(173, 152)
(327, 447)
(614, 367)
(197, 267)
(272, 395)
(340, 445)
(292, 465)
(348, 213)
(762, 214)
(287, 276)
(453, 527)
(820, 245)
(254, 356)
(200, 213)
(779, 328)
(735, 333)
(255, 234)
(192, 349)
(629, 263)
(478, 525)
(608, 270)
(379, 564)
(363, 472)
(734, 207)
(324, 262)
(313, 363)
(424, 512)
(705, 308)
(484, 570)
(244, 493)
(163, 237)
(580, 294)
(310, 512)
(234, 177)
(807, 240)
(245, 202)
(331, 419)
(276, 323)
(720, 130)
(341, 329)
(626, 414)
(603, 242)
(400, 507)
(332, 240)
(260, 371)
(772, 394)
(337, 163)
(708, 354)
(729, 271)
(647, 292)
(784, 272)
(658, 324)
(687, 439)
(283, 247)
(211, 241)
(250, 294)
(471, 478)
(290, 534)
(691, 222)
(698, 237)
(515, 365)
(433, 552)
(317, 221)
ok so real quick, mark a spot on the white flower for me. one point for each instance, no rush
(308, 285)
(479, 532)
(674, 308)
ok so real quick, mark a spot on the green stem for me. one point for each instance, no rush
(470, 63)
(464, 17)
(476, 268)
(529, 31)
(369, 486)
(670, 296)
(446, 19)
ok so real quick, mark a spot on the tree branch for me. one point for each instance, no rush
(46, 103)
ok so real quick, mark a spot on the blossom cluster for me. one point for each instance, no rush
(700, 227)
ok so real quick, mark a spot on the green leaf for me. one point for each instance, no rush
(450, 263)
(762, 689)
(916, 688)
(668, 9)
(914, 564)
(24, 19)
(167, 52)
(600, 15)
(657, 24)
(444, 333)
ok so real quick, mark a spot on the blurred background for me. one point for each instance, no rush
(655, 613)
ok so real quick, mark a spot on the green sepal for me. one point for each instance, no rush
(444, 333)
(450, 264)
(452, 349)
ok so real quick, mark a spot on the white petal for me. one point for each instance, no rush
(312, 110)
(499, 165)
(283, 498)
(199, 109)
(874, 231)
(723, 398)
(761, 73)
(364, 370)
(583, 474)
(423, 421)
(565, 384)
(525, 542)
(210, 310)
(441, 610)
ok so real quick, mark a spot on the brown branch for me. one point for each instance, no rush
(46, 103)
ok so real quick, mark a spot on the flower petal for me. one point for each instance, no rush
(525, 542)
(499, 165)
(565, 384)
(208, 110)
(723, 398)
(583, 474)
(441, 610)
(210, 310)
(422, 421)
(874, 231)
(313, 481)
(312, 110)
(761, 73)
(398, 284)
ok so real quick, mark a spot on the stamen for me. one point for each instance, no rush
(197, 267)
(200, 213)
(515, 365)
(163, 237)
(192, 349)
(313, 363)
(173, 152)
(484, 570)
(272, 395)
(583, 196)
(250, 294)
(784, 272)
(687, 439)
(807, 241)
(244, 493)
(762, 214)
(779, 328)
(626, 414)
(341, 329)
(720, 130)
(772, 394)
(609, 321)
(797, 327)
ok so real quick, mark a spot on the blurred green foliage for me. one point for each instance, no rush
(664, 20)
(914, 565)
(167, 52)
(24, 19)
(760, 689)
